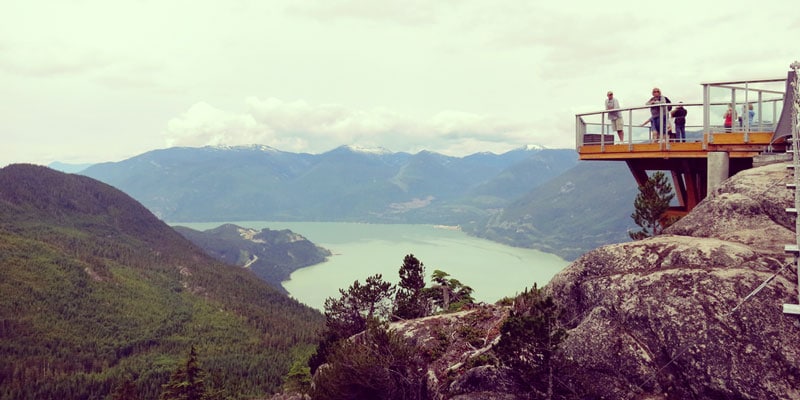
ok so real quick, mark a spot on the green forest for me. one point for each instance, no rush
(99, 295)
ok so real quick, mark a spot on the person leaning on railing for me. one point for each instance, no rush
(658, 114)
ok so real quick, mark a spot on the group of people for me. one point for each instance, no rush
(660, 115)
(661, 112)
(730, 116)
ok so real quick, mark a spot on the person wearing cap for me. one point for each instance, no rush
(614, 116)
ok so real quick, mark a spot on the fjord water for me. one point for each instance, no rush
(359, 250)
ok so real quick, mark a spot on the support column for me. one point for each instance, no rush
(718, 169)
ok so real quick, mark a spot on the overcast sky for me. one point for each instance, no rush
(84, 81)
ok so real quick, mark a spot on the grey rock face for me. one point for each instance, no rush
(667, 316)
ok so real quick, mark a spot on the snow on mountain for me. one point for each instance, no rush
(368, 150)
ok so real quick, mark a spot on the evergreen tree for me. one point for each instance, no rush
(187, 382)
(449, 294)
(380, 364)
(360, 303)
(410, 300)
(529, 339)
(298, 380)
(650, 205)
(350, 313)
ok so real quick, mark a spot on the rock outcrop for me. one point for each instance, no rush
(680, 315)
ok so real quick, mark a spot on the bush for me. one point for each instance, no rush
(376, 365)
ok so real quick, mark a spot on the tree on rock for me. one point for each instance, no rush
(351, 313)
(411, 300)
(378, 365)
(529, 339)
(449, 294)
(650, 205)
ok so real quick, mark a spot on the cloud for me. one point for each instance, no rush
(204, 124)
(49, 60)
(302, 127)
(409, 12)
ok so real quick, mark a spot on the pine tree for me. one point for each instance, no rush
(650, 205)
(449, 293)
(529, 339)
(351, 313)
(187, 382)
(360, 303)
(410, 300)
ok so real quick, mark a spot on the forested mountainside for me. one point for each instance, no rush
(96, 291)
(587, 206)
(270, 254)
(344, 184)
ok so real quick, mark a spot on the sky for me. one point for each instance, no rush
(87, 81)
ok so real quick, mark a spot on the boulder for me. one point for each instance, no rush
(682, 315)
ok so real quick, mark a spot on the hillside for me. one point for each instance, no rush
(271, 255)
(585, 207)
(97, 291)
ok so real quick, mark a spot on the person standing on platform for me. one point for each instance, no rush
(658, 114)
(727, 121)
(679, 113)
(614, 116)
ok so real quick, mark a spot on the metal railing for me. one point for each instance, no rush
(764, 97)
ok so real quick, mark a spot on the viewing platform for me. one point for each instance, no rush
(710, 151)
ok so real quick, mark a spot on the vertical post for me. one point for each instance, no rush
(795, 121)
(760, 118)
(733, 110)
(603, 131)
(706, 116)
(630, 129)
(746, 114)
(796, 151)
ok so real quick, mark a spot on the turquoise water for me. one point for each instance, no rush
(493, 270)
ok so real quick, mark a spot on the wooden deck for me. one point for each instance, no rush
(686, 161)
(733, 143)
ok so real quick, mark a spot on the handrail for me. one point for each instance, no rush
(765, 98)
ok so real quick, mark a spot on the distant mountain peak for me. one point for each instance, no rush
(533, 147)
(367, 150)
(258, 147)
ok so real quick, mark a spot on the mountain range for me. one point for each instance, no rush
(344, 184)
(478, 192)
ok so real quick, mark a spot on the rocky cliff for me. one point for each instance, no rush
(670, 316)
(678, 316)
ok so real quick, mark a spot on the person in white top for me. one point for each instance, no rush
(614, 116)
